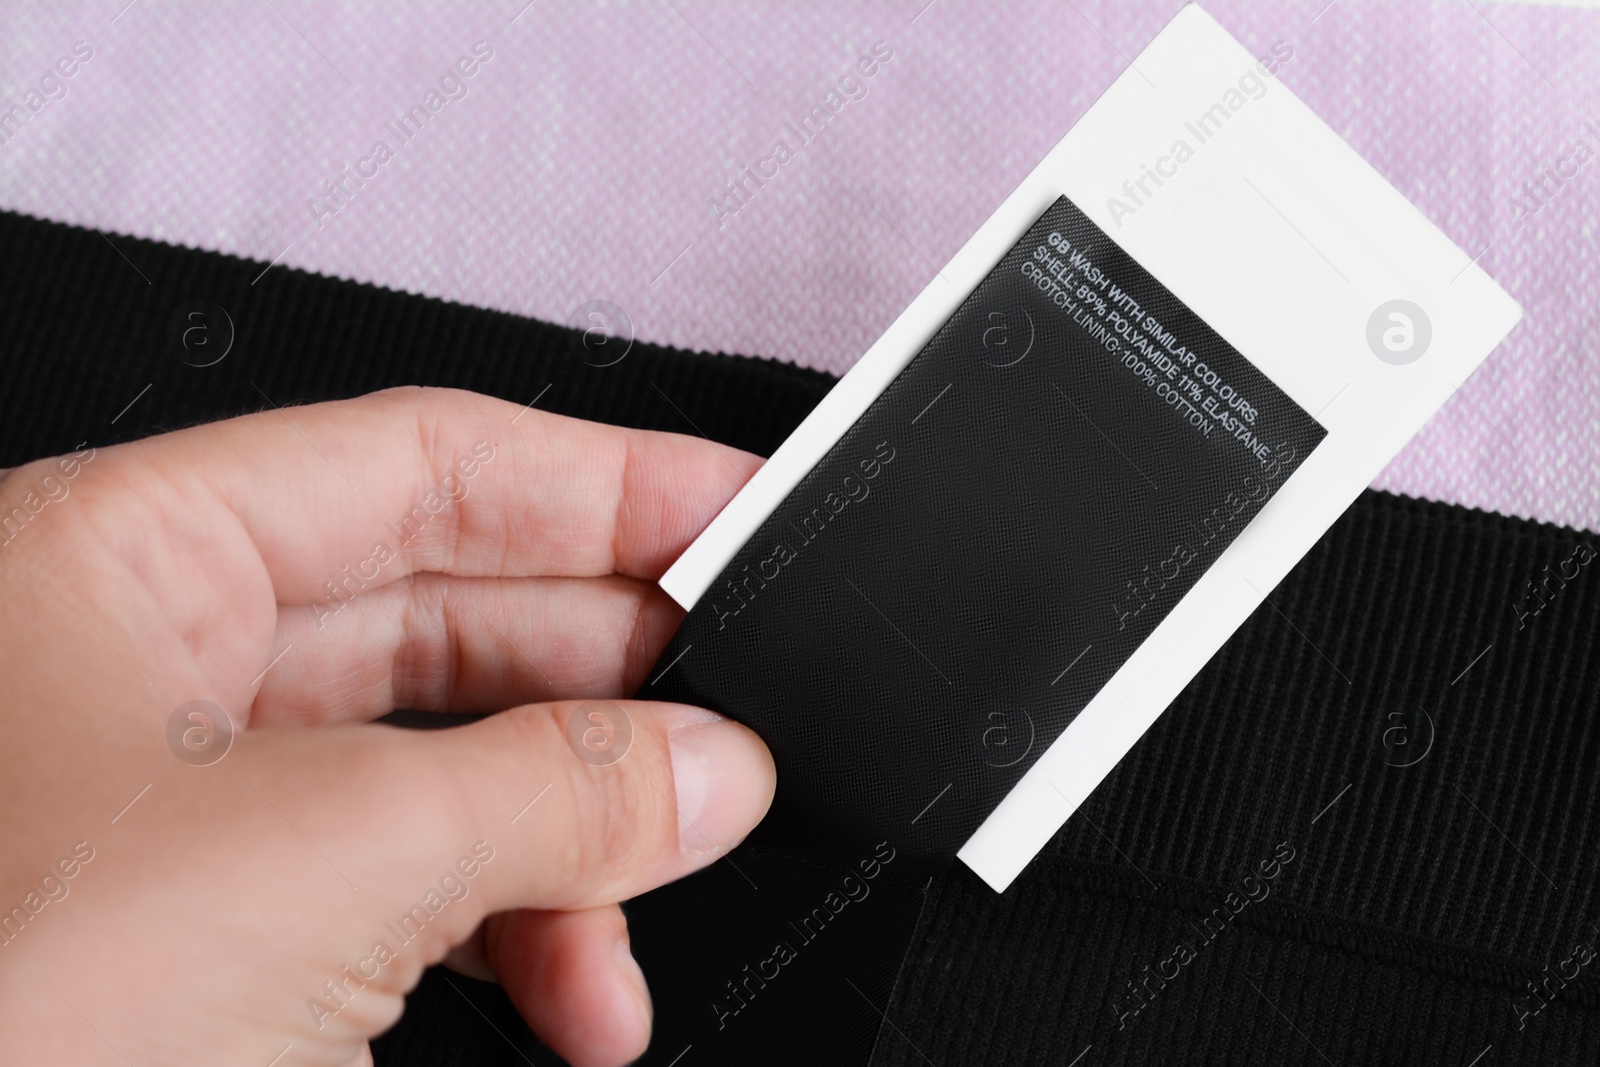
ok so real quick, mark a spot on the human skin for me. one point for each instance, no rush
(222, 902)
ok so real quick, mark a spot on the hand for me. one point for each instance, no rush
(160, 905)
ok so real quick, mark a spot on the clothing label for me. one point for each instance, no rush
(972, 561)
(996, 551)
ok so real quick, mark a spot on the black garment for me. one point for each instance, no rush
(1408, 908)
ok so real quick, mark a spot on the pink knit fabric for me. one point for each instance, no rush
(582, 159)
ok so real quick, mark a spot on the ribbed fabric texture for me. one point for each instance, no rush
(84, 333)
(1418, 906)
(1420, 902)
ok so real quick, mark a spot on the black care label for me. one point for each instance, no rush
(987, 545)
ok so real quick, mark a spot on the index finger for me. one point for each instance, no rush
(443, 480)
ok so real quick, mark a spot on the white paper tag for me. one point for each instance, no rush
(1235, 196)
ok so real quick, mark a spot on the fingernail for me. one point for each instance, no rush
(633, 978)
(724, 779)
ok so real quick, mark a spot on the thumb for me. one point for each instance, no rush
(598, 801)
(422, 834)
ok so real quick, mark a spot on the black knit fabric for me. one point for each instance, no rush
(1420, 900)
(84, 332)
(1418, 906)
